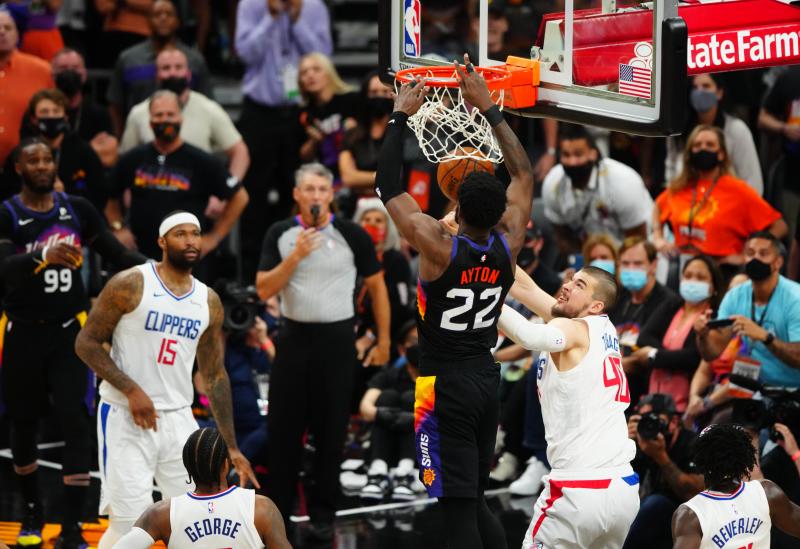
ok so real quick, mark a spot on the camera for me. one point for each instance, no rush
(241, 305)
(651, 425)
(780, 405)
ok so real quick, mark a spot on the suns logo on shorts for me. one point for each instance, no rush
(210, 507)
(428, 477)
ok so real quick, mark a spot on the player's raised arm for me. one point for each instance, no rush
(210, 362)
(560, 334)
(520, 190)
(120, 296)
(422, 231)
(527, 292)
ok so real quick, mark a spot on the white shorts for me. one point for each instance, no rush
(131, 458)
(583, 511)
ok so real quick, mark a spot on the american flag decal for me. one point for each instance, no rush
(634, 81)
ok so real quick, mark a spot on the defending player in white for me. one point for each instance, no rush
(160, 318)
(214, 515)
(731, 513)
(590, 497)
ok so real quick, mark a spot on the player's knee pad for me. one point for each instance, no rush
(23, 443)
(116, 529)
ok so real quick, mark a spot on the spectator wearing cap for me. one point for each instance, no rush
(134, 76)
(311, 261)
(206, 124)
(766, 317)
(86, 119)
(587, 194)
(21, 75)
(664, 465)
(168, 174)
(271, 37)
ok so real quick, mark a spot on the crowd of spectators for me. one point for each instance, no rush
(700, 230)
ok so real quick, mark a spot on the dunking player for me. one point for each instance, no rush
(462, 283)
(591, 495)
(41, 235)
(732, 513)
(212, 516)
(160, 318)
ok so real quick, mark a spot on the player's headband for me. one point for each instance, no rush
(177, 219)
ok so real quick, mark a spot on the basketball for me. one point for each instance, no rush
(452, 173)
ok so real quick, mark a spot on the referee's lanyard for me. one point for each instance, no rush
(695, 209)
(760, 321)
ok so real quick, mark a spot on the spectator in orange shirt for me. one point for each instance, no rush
(709, 210)
(20, 76)
(125, 25)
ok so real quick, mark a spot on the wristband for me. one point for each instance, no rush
(551, 151)
(795, 456)
(707, 404)
(398, 118)
(267, 345)
(493, 116)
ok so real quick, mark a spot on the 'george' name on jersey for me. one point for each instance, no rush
(212, 527)
(172, 324)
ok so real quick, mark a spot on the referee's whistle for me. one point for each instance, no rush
(314, 214)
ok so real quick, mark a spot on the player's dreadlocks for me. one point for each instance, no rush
(204, 455)
(724, 453)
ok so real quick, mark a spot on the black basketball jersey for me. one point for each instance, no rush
(52, 292)
(457, 313)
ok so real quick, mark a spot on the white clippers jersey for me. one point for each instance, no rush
(155, 344)
(732, 521)
(584, 408)
(226, 519)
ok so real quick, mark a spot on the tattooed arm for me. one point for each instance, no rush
(121, 295)
(211, 362)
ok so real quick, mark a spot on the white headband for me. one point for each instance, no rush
(177, 219)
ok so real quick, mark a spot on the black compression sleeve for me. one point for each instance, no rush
(107, 245)
(16, 268)
(390, 159)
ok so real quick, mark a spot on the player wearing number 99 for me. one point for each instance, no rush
(158, 318)
(463, 280)
(591, 495)
(41, 236)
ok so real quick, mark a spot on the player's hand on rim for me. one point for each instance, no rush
(411, 97)
(243, 469)
(142, 409)
(473, 85)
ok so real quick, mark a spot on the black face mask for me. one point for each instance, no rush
(579, 173)
(52, 127)
(166, 131)
(69, 82)
(704, 160)
(175, 84)
(379, 107)
(757, 270)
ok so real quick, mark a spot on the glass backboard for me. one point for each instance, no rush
(619, 64)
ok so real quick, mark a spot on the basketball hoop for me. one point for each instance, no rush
(447, 127)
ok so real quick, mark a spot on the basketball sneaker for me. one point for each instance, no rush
(377, 487)
(402, 489)
(506, 468)
(530, 482)
(71, 538)
(30, 534)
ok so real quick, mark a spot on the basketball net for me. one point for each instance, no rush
(447, 127)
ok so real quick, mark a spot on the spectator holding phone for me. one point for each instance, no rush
(766, 316)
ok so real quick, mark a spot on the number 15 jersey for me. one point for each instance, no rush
(457, 313)
(155, 344)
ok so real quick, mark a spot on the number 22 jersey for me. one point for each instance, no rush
(156, 343)
(457, 313)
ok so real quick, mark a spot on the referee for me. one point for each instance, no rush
(311, 261)
(41, 238)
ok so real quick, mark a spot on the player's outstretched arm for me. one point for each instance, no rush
(520, 191)
(783, 512)
(420, 230)
(120, 296)
(269, 524)
(686, 531)
(558, 335)
(151, 527)
(527, 292)
(211, 363)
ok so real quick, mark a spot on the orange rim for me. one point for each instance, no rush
(445, 76)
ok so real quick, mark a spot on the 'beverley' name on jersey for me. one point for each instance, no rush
(166, 323)
(749, 525)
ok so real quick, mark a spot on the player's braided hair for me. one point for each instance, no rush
(204, 455)
(481, 200)
(724, 453)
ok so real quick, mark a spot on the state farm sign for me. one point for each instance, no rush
(743, 49)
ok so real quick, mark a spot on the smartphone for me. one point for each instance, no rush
(720, 323)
